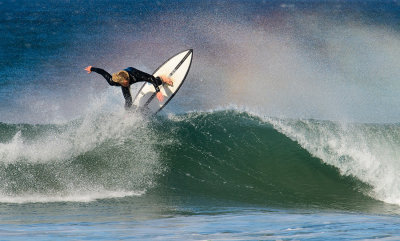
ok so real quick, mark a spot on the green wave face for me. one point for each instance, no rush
(224, 156)
(231, 156)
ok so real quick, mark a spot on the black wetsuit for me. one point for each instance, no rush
(134, 77)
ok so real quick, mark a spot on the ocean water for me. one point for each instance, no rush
(287, 127)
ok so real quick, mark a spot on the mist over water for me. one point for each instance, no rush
(283, 60)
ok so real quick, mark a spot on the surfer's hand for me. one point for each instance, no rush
(88, 69)
(160, 96)
(167, 80)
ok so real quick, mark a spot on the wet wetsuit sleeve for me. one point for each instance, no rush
(106, 76)
(128, 98)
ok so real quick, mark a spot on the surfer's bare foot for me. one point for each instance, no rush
(167, 80)
(160, 96)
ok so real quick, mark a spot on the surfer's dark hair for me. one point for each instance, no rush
(120, 76)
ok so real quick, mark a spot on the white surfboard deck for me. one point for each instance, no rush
(177, 68)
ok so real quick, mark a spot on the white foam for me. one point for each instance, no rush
(121, 156)
(69, 197)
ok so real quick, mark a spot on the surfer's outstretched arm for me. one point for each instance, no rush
(103, 73)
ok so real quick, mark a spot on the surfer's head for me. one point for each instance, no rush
(121, 77)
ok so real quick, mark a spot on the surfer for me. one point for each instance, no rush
(125, 78)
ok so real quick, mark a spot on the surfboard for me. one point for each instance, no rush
(177, 68)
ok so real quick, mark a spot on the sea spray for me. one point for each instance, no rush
(310, 64)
